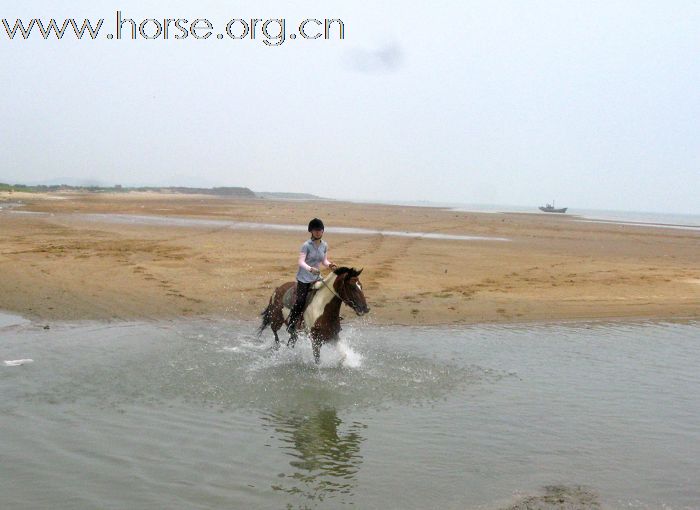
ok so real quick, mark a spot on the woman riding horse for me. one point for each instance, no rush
(322, 315)
(313, 253)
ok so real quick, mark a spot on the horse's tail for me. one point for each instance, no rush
(266, 318)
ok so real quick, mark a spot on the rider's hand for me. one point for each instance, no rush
(314, 270)
(333, 267)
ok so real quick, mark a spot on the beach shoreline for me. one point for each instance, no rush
(65, 264)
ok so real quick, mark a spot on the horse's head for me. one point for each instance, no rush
(349, 288)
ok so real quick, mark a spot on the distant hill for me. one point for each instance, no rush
(221, 191)
(228, 191)
(288, 196)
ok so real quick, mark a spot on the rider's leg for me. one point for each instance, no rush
(298, 308)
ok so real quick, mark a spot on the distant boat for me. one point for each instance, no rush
(551, 208)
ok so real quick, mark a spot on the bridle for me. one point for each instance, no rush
(350, 303)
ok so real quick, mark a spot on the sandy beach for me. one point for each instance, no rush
(60, 261)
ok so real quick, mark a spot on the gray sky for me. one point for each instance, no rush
(594, 104)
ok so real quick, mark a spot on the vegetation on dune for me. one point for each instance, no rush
(222, 191)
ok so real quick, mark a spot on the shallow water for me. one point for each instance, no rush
(639, 218)
(642, 224)
(172, 221)
(8, 319)
(205, 415)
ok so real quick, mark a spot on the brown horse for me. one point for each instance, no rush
(322, 314)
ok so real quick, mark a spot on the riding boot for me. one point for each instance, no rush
(296, 312)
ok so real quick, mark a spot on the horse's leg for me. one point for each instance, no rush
(276, 322)
(292, 337)
(316, 346)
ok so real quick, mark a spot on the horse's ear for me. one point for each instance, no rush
(360, 271)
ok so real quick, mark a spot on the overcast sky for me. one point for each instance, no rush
(594, 104)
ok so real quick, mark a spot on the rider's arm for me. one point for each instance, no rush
(302, 261)
(328, 263)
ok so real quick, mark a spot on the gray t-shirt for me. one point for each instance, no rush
(314, 256)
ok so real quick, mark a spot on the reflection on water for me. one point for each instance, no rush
(325, 455)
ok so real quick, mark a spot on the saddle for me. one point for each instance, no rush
(290, 296)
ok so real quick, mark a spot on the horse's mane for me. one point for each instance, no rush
(350, 271)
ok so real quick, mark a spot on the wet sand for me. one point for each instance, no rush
(64, 265)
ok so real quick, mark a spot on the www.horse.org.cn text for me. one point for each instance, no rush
(270, 31)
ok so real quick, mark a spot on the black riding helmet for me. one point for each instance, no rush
(316, 224)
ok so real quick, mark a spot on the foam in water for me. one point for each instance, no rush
(18, 362)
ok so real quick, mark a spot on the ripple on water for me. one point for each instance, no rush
(211, 364)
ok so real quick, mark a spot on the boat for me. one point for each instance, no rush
(551, 208)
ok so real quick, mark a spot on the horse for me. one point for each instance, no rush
(322, 314)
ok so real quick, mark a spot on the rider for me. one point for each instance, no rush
(313, 253)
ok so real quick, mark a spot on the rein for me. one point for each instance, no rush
(323, 281)
(320, 279)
